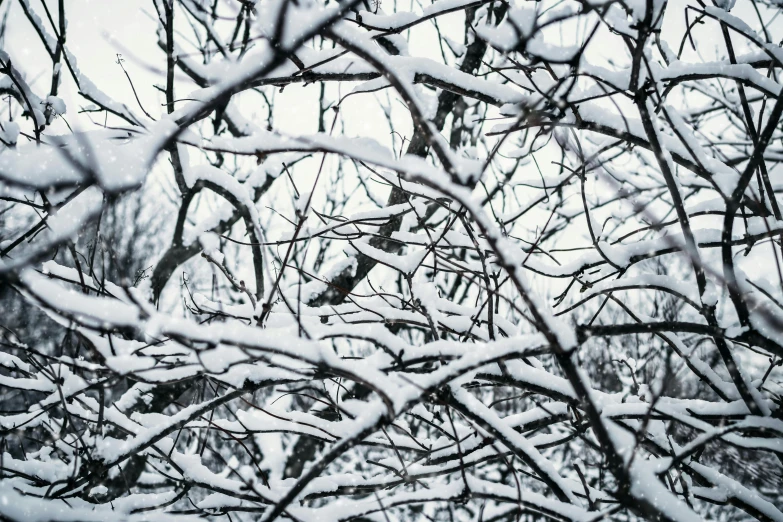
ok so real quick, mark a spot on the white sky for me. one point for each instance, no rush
(99, 29)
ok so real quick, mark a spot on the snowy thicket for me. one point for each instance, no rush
(394, 261)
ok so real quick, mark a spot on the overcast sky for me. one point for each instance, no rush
(99, 29)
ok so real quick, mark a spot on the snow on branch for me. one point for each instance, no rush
(459, 260)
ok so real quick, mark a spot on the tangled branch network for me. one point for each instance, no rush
(443, 260)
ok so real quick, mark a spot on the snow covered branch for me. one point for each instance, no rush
(452, 260)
